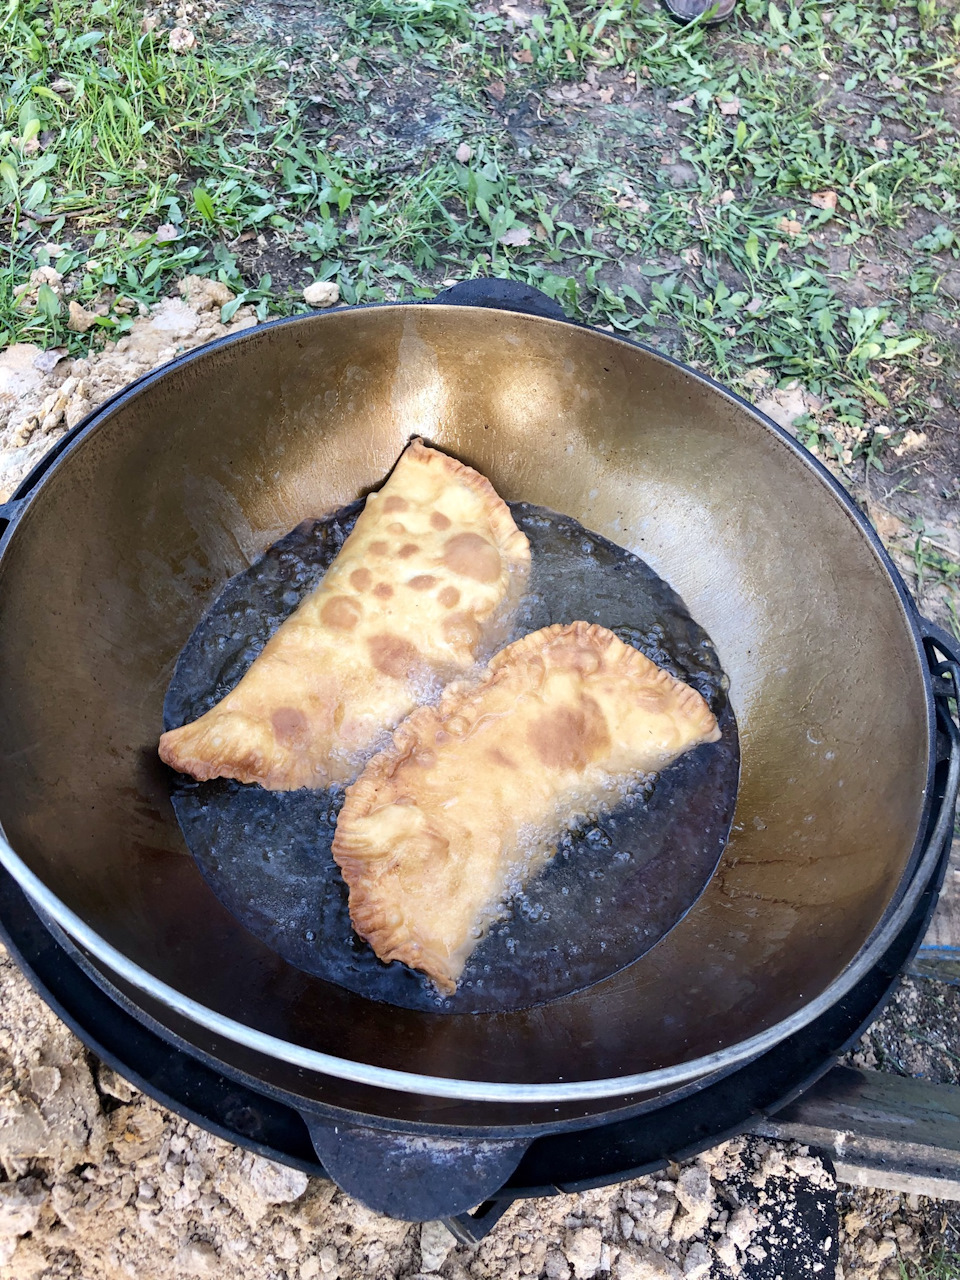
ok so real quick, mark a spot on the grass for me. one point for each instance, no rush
(940, 1265)
(780, 194)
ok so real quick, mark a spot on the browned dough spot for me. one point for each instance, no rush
(461, 629)
(422, 582)
(396, 527)
(449, 597)
(383, 590)
(569, 738)
(378, 548)
(407, 550)
(439, 520)
(393, 503)
(393, 656)
(472, 557)
(289, 726)
(573, 657)
(501, 758)
(340, 613)
(360, 579)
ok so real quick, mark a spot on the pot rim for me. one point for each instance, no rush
(920, 865)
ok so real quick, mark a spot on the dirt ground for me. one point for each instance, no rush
(102, 1183)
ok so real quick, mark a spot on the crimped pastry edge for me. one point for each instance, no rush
(180, 752)
(393, 940)
(510, 540)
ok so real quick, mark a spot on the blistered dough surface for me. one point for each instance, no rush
(468, 801)
(422, 587)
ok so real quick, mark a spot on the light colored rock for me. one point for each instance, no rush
(182, 40)
(743, 1226)
(583, 1251)
(255, 1186)
(34, 406)
(18, 373)
(641, 1263)
(114, 1085)
(322, 293)
(244, 319)
(20, 1205)
(436, 1241)
(50, 358)
(46, 275)
(662, 1213)
(135, 1132)
(80, 320)
(64, 1123)
(697, 1262)
(912, 440)
(204, 294)
(198, 1258)
(555, 1266)
(275, 1183)
(174, 319)
(726, 1251)
(44, 1081)
(785, 406)
(28, 1261)
(76, 411)
(26, 293)
(328, 1259)
(695, 1193)
(24, 1134)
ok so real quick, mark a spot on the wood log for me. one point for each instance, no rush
(879, 1130)
(939, 954)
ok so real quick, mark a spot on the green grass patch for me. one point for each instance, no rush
(941, 1265)
(725, 211)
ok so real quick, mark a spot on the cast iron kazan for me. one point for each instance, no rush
(118, 542)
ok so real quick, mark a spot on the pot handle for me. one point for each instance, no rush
(412, 1176)
(503, 295)
(936, 636)
(10, 513)
(946, 687)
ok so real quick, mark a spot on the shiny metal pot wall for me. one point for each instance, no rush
(183, 480)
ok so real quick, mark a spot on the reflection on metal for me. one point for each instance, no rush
(113, 561)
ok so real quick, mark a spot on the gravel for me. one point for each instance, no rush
(103, 1182)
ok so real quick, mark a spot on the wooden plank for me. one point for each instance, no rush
(880, 1130)
(939, 954)
(944, 930)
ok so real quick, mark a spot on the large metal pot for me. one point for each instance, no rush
(115, 549)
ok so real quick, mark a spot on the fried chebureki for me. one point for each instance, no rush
(422, 587)
(468, 802)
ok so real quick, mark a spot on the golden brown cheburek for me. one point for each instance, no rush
(467, 803)
(421, 588)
